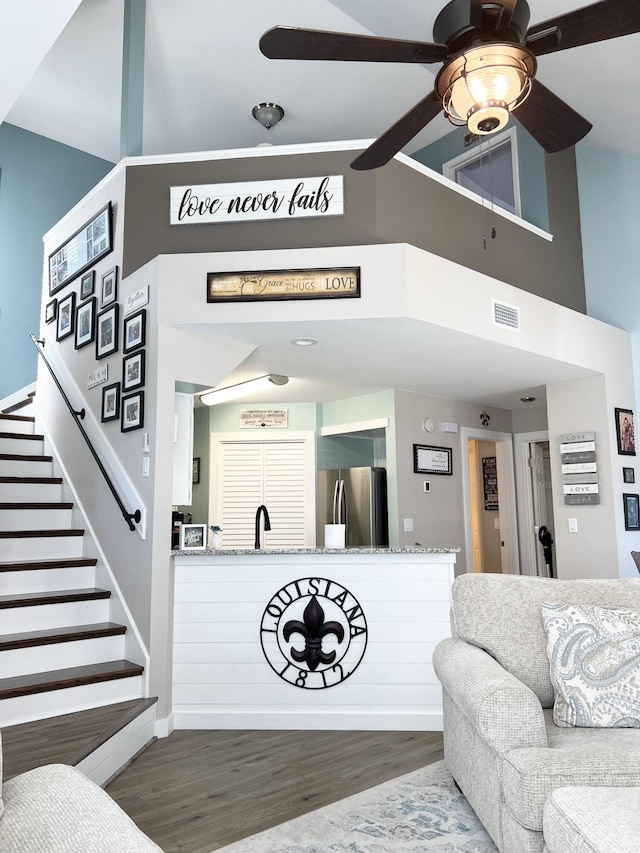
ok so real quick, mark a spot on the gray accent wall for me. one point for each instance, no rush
(40, 181)
(394, 204)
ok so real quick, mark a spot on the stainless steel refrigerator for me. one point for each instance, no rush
(356, 497)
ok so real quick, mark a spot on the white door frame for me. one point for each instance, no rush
(521, 441)
(506, 494)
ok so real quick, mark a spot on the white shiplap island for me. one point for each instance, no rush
(309, 639)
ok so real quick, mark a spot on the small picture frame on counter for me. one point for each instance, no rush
(193, 537)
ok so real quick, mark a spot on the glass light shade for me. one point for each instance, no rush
(216, 396)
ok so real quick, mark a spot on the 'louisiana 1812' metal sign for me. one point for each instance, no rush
(313, 633)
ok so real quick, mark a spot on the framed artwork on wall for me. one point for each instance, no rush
(629, 475)
(66, 317)
(432, 460)
(109, 287)
(625, 432)
(631, 512)
(51, 311)
(111, 402)
(195, 478)
(107, 332)
(85, 323)
(87, 284)
(134, 331)
(133, 371)
(132, 412)
(89, 243)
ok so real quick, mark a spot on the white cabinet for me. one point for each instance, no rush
(182, 450)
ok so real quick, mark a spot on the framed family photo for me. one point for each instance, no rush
(132, 412)
(51, 311)
(133, 371)
(89, 243)
(111, 402)
(85, 323)
(134, 331)
(631, 511)
(107, 332)
(625, 432)
(109, 287)
(66, 317)
(87, 284)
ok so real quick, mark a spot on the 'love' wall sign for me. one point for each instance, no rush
(292, 198)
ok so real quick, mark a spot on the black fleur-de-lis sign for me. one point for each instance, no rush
(313, 629)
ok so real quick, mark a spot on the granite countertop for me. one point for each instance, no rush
(223, 552)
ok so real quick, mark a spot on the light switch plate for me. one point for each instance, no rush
(408, 525)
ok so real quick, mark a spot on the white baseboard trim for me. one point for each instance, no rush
(109, 759)
(305, 721)
(164, 727)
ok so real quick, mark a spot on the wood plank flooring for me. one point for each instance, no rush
(196, 791)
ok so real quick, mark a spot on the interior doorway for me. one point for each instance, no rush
(535, 501)
(491, 530)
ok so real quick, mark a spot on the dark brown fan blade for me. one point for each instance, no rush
(550, 121)
(297, 43)
(608, 19)
(383, 149)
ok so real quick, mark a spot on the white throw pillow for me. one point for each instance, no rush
(594, 656)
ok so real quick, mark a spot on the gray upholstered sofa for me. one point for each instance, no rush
(55, 809)
(500, 741)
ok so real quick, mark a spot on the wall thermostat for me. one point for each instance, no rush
(428, 425)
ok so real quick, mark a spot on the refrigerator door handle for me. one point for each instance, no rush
(336, 486)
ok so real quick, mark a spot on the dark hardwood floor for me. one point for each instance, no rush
(196, 791)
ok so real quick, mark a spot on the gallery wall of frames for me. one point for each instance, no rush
(94, 316)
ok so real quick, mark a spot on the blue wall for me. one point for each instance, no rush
(533, 194)
(40, 180)
(609, 186)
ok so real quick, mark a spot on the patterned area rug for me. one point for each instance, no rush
(422, 812)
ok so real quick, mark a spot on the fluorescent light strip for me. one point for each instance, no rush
(215, 396)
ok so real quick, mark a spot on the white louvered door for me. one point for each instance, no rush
(278, 473)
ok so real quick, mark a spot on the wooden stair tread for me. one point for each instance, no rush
(24, 457)
(59, 679)
(38, 534)
(33, 599)
(6, 416)
(36, 505)
(54, 480)
(48, 636)
(33, 565)
(23, 436)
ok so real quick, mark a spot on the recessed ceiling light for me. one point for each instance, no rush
(304, 342)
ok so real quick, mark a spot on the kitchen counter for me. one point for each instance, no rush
(310, 638)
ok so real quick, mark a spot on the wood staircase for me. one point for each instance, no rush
(59, 653)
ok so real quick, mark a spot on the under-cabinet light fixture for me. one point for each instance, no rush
(214, 396)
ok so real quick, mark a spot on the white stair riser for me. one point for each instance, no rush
(60, 655)
(29, 492)
(23, 427)
(19, 619)
(35, 519)
(24, 468)
(26, 446)
(40, 548)
(116, 753)
(45, 580)
(40, 706)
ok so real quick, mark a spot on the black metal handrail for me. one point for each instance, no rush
(129, 517)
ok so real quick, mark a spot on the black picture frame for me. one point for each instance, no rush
(428, 459)
(66, 317)
(132, 412)
(109, 287)
(51, 311)
(195, 479)
(87, 284)
(107, 332)
(629, 475)
(85, 323)
(110, 402)
(631, 511)
(625, 432)
(134, 332)
(133, 370)
(81, 251)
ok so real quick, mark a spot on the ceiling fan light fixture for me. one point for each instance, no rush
(482, 86)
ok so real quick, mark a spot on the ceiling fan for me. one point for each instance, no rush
(489, 58)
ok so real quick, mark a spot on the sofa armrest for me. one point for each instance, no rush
(505, 712)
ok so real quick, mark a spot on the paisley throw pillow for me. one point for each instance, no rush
(594, 656)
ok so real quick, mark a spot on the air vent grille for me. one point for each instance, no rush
(506, 316)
